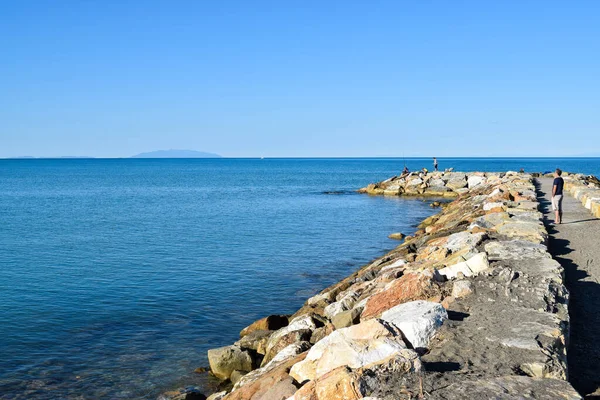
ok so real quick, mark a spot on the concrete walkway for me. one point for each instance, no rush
(576, 245)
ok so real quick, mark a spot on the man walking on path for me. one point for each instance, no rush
(557, 195)
(435, 164)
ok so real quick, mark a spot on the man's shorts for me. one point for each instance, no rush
(557, 202)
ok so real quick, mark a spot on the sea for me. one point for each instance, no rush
(117, 275)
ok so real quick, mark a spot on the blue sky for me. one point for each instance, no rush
(306, 78)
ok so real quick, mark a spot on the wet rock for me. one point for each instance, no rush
(418, 320)
(396, 236)
(224, 360)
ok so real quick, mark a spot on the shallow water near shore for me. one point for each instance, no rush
(118, 275)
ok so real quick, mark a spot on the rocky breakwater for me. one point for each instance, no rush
(471, 306)
(441, 184)
(585, 189)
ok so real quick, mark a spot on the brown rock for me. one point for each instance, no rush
(447, 301)
(307, 392)
(409, 287)
(340, 384)
(262, 387)
(270, 323)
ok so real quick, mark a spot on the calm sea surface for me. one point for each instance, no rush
(116, 276)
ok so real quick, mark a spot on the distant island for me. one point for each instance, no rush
(176, 154)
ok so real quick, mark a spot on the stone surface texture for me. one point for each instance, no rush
(471, 305)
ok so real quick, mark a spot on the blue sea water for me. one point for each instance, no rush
(116, 276)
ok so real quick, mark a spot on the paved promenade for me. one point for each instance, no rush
(576, 245)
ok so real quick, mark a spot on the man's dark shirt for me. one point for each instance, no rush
(559, 183)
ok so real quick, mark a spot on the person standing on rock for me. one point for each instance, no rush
(435, 164)
(557, 195)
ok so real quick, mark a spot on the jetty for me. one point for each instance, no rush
(486, 299)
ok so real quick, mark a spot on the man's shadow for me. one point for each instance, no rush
(583, 353)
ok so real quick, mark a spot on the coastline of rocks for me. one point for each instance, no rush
(585, 189)
(472, 304)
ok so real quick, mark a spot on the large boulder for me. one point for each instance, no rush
(355, 346)
(418, 320)
(224, 360)
(290, 338)
(299, 329)
(271, 384)
(475, 180)
(409, 287)
(530, 231)
(460, 240)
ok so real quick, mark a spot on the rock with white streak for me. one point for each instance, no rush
(418, 320)
(355, 347)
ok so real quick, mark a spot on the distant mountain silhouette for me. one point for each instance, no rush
(176, 154)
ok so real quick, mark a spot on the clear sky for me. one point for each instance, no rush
(300, 78)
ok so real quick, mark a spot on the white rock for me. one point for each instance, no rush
(355, 346)
(475, 180)
(452, 271)
(418, 320)
(478, 263)
(473, 266)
